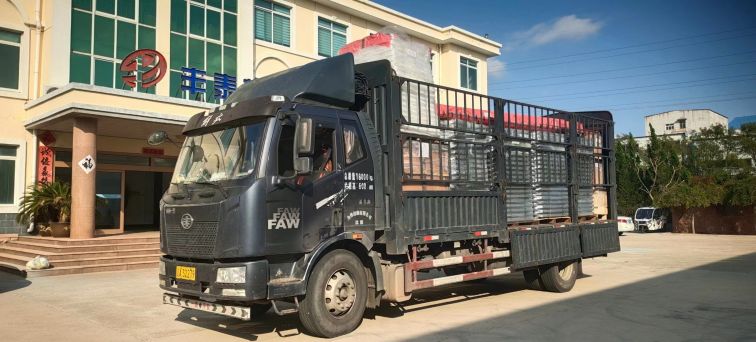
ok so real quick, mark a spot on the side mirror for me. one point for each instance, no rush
(303, 165)
(157, 138)
(303, 138)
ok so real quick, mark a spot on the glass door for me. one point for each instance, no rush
(109, 200)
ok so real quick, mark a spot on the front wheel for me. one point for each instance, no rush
(336, 295)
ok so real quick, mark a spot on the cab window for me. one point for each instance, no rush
(286, 151)
(353, 148)
(323, 160)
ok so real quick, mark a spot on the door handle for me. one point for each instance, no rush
(336, 217)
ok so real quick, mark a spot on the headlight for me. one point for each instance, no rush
(231, 275)
(161, 268)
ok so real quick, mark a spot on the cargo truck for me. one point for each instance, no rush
(326, 189)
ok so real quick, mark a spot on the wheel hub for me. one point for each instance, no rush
(565, 271)
(340, 293)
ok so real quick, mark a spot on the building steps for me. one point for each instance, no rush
(46, 247)
(67, 256)
(93, 268)
(75, 255)
(13, 268)
(86, 242)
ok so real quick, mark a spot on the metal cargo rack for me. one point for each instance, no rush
(461, 165)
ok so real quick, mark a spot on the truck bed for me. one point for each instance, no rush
(460, 165)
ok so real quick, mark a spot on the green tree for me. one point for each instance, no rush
(719, 170)
(628, 183)
(661, 166)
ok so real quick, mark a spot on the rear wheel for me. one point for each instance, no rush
(559, 277)
(553, 278)
(336, 295)
(533, 279)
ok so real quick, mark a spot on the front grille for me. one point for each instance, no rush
(196, 242)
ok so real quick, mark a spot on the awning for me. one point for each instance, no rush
(120, 113)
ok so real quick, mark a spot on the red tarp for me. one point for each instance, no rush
(511, 120)
(374, 39)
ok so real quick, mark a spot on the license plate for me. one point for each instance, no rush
(186, 273)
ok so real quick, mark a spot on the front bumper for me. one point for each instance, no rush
(240, 312)
(205, 287)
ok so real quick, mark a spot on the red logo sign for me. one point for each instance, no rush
(154, 62)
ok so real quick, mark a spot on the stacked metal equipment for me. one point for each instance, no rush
(472, 158)
(518, 174)
(424, 156)
(590, 170)
(585, 165)
(551, 176)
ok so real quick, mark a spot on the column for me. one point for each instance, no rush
(82, 182)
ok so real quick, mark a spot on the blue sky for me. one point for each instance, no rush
(657, 55)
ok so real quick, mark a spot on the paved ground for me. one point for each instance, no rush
(661, 287)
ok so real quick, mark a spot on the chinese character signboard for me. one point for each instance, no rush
(145, 68)
(87, 164)
(45, 164)
(153, 151)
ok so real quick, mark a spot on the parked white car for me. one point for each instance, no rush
(649, 219)
(625, 224)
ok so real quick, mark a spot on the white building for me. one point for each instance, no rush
(677, 124)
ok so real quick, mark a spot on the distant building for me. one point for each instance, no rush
(677, 124)
(740, 121)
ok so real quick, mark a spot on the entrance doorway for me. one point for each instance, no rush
(143, 190)
(128, 189)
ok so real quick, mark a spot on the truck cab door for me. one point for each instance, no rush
(359, 182)
(323, 190)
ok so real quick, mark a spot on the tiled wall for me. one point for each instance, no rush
(8, 224)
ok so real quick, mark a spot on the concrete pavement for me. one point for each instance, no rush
(661, 287)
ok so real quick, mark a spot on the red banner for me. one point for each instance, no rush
(153, 151)
(45, 164)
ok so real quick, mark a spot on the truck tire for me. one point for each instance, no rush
(533, 279)
(559, 277)
(336, 295)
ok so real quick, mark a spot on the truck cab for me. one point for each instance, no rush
(260, 190)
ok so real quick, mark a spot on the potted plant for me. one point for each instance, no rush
(48, 204)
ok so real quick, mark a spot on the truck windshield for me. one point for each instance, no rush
(220, 155)
(644, 214)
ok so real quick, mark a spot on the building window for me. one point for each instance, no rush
(8, 155)
(681, 123)
(272, 22)
(670, 127)
(10, 54)
(103, 32)
(331, 37)
(468, 73)
(203, 36)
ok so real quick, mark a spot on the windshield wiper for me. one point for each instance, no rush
(222, 190)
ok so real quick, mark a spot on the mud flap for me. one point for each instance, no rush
(541, 246)
(599, 239)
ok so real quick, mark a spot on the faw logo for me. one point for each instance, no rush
(284, 218)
